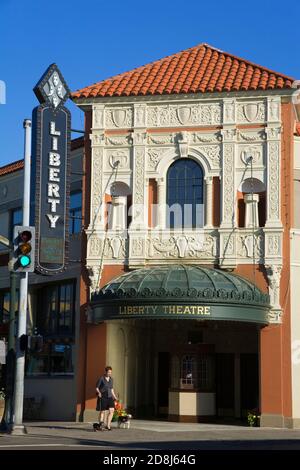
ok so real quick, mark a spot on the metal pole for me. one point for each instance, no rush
(7, 418)
(18, 427)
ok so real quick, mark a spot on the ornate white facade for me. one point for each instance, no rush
(135, 142)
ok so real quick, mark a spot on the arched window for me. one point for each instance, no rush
(185, 194)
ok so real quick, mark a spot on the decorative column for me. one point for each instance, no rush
(228, 199)
(273, 177)
(118, 217)
(95, 231)
(139, 226)
(228, 184)
(251, 212)
(274, 275)
(208, 201)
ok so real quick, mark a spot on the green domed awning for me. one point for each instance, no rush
(182, 292)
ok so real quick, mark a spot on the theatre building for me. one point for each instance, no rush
(195, 309)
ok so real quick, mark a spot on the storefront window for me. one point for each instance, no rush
(55, 322)
(197, 372)
(75, 212)
(54, 359)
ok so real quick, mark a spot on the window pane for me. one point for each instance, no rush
(61, 361)
(75, 212)
(185, 188)
(38, 363)
(76, 200)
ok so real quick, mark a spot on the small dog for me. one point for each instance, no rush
(124, 421)
(97, 427)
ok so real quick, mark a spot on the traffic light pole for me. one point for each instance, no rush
(18, 427)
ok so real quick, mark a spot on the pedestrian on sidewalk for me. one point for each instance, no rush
(106, 399)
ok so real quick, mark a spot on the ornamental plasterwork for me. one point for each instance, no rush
(273, 181)
(96, 190)
(251, 112)
(98, 117)
(274, 109)
(139, 138)
(228, 242)
(193, 137)
(137, 247)
(94, 273)
(228, 181)
(229, 111)
(177, 115)
(95, 246)
(111, 246)
(114, 156)
(273, 133)
(118, 140)
(212, 153)
(139, 115)
(200, 137)
(116, 247)
(255, 151)
(118, 117)
(97, 138)
(198, 246)
(273, 245)
(155, 155)
(161, 139)
(274, 275)
(139, 176)
(249, 136)
(251, 247)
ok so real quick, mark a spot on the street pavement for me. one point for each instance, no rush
(150, 436)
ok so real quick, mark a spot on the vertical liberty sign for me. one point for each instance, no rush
(51, 172)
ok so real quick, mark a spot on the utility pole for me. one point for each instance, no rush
(18, 427)
(7, 418)
(11, 355)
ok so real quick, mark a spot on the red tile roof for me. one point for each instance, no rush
(200, 69)
(11, 167)
(19, 164)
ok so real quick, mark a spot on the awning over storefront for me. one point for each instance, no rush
(182, 292)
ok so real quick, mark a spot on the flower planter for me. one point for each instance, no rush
(2, 405)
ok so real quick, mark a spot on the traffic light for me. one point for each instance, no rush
(23, 255)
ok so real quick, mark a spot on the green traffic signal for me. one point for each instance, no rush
(24, 261)
(24, 251)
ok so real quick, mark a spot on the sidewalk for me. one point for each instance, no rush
(150, 435)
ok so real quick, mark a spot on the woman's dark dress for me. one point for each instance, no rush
(106, 401)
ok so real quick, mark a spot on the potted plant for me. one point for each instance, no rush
(120, 414)
(2, 402)
(253, 418)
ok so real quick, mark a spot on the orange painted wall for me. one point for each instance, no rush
(255, 274)
(110, 272)
(152, 199)
(95, 361)
(276, 395)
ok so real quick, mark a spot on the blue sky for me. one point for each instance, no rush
(93, 39)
